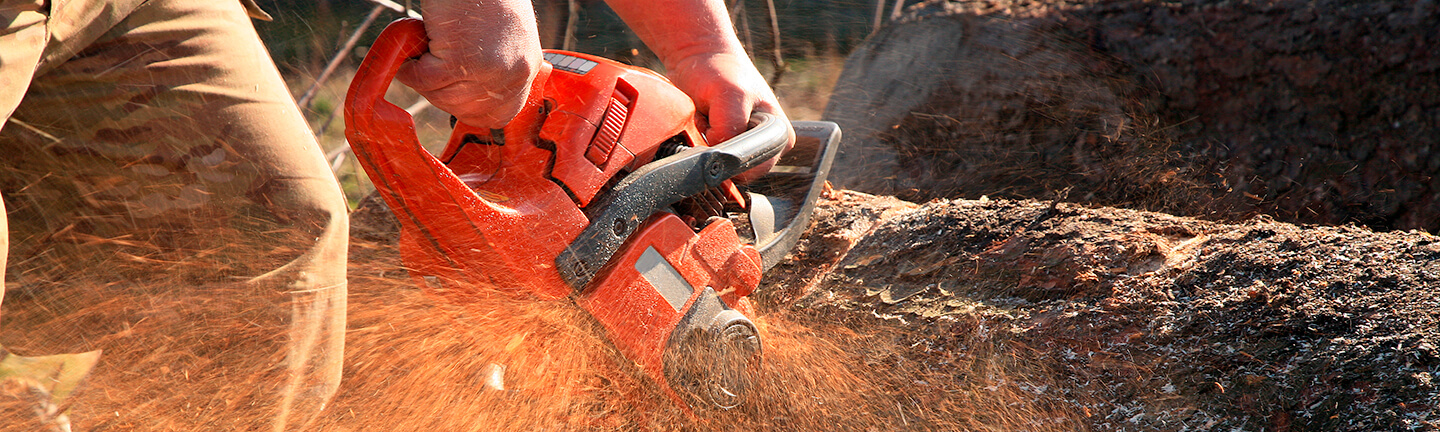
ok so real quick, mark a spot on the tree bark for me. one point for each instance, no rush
(1312, 111)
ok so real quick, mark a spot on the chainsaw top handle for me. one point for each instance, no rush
(405, 40)
(401, 41)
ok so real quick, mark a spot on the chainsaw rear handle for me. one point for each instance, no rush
(661, 183)
(447, 229)
(404, 39)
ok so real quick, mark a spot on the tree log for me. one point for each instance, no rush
(1311, 111)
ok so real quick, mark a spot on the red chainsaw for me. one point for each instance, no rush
(602, 191)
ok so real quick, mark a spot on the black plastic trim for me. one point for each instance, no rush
(792, 195)
(659, 184)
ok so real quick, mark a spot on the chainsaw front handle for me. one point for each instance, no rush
(664, 182)
(765, 140)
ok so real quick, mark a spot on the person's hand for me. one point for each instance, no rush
(483, 57)
(705, 59)
(726, 88)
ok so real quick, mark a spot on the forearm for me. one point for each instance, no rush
(679, 29)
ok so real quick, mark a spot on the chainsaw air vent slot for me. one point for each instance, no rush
(607, 136)
(675, 144)
(465, 141)
(476, 139)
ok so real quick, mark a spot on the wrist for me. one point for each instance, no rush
(698, 53)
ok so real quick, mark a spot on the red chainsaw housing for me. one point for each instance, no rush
(498, 207)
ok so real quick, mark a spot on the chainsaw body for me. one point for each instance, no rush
(603, 191)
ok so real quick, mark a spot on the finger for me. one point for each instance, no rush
(774, 108)
(760, 170)
(482, 101)
(425, 73)
(476, 104)
(728, 117)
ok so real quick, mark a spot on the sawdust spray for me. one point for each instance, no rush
(415, 362)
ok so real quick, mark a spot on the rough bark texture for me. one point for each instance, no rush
(1314, 111)
(1145, 321)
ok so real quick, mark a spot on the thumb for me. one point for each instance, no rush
(424, 73)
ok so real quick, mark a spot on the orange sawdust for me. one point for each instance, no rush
(415, 362)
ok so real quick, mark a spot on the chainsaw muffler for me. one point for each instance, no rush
(711, 354)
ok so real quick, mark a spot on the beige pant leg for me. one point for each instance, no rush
(22, 40)
(169, 152)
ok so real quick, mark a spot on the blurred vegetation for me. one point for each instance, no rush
(304, 35)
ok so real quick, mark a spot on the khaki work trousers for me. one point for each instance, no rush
(167, 205)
